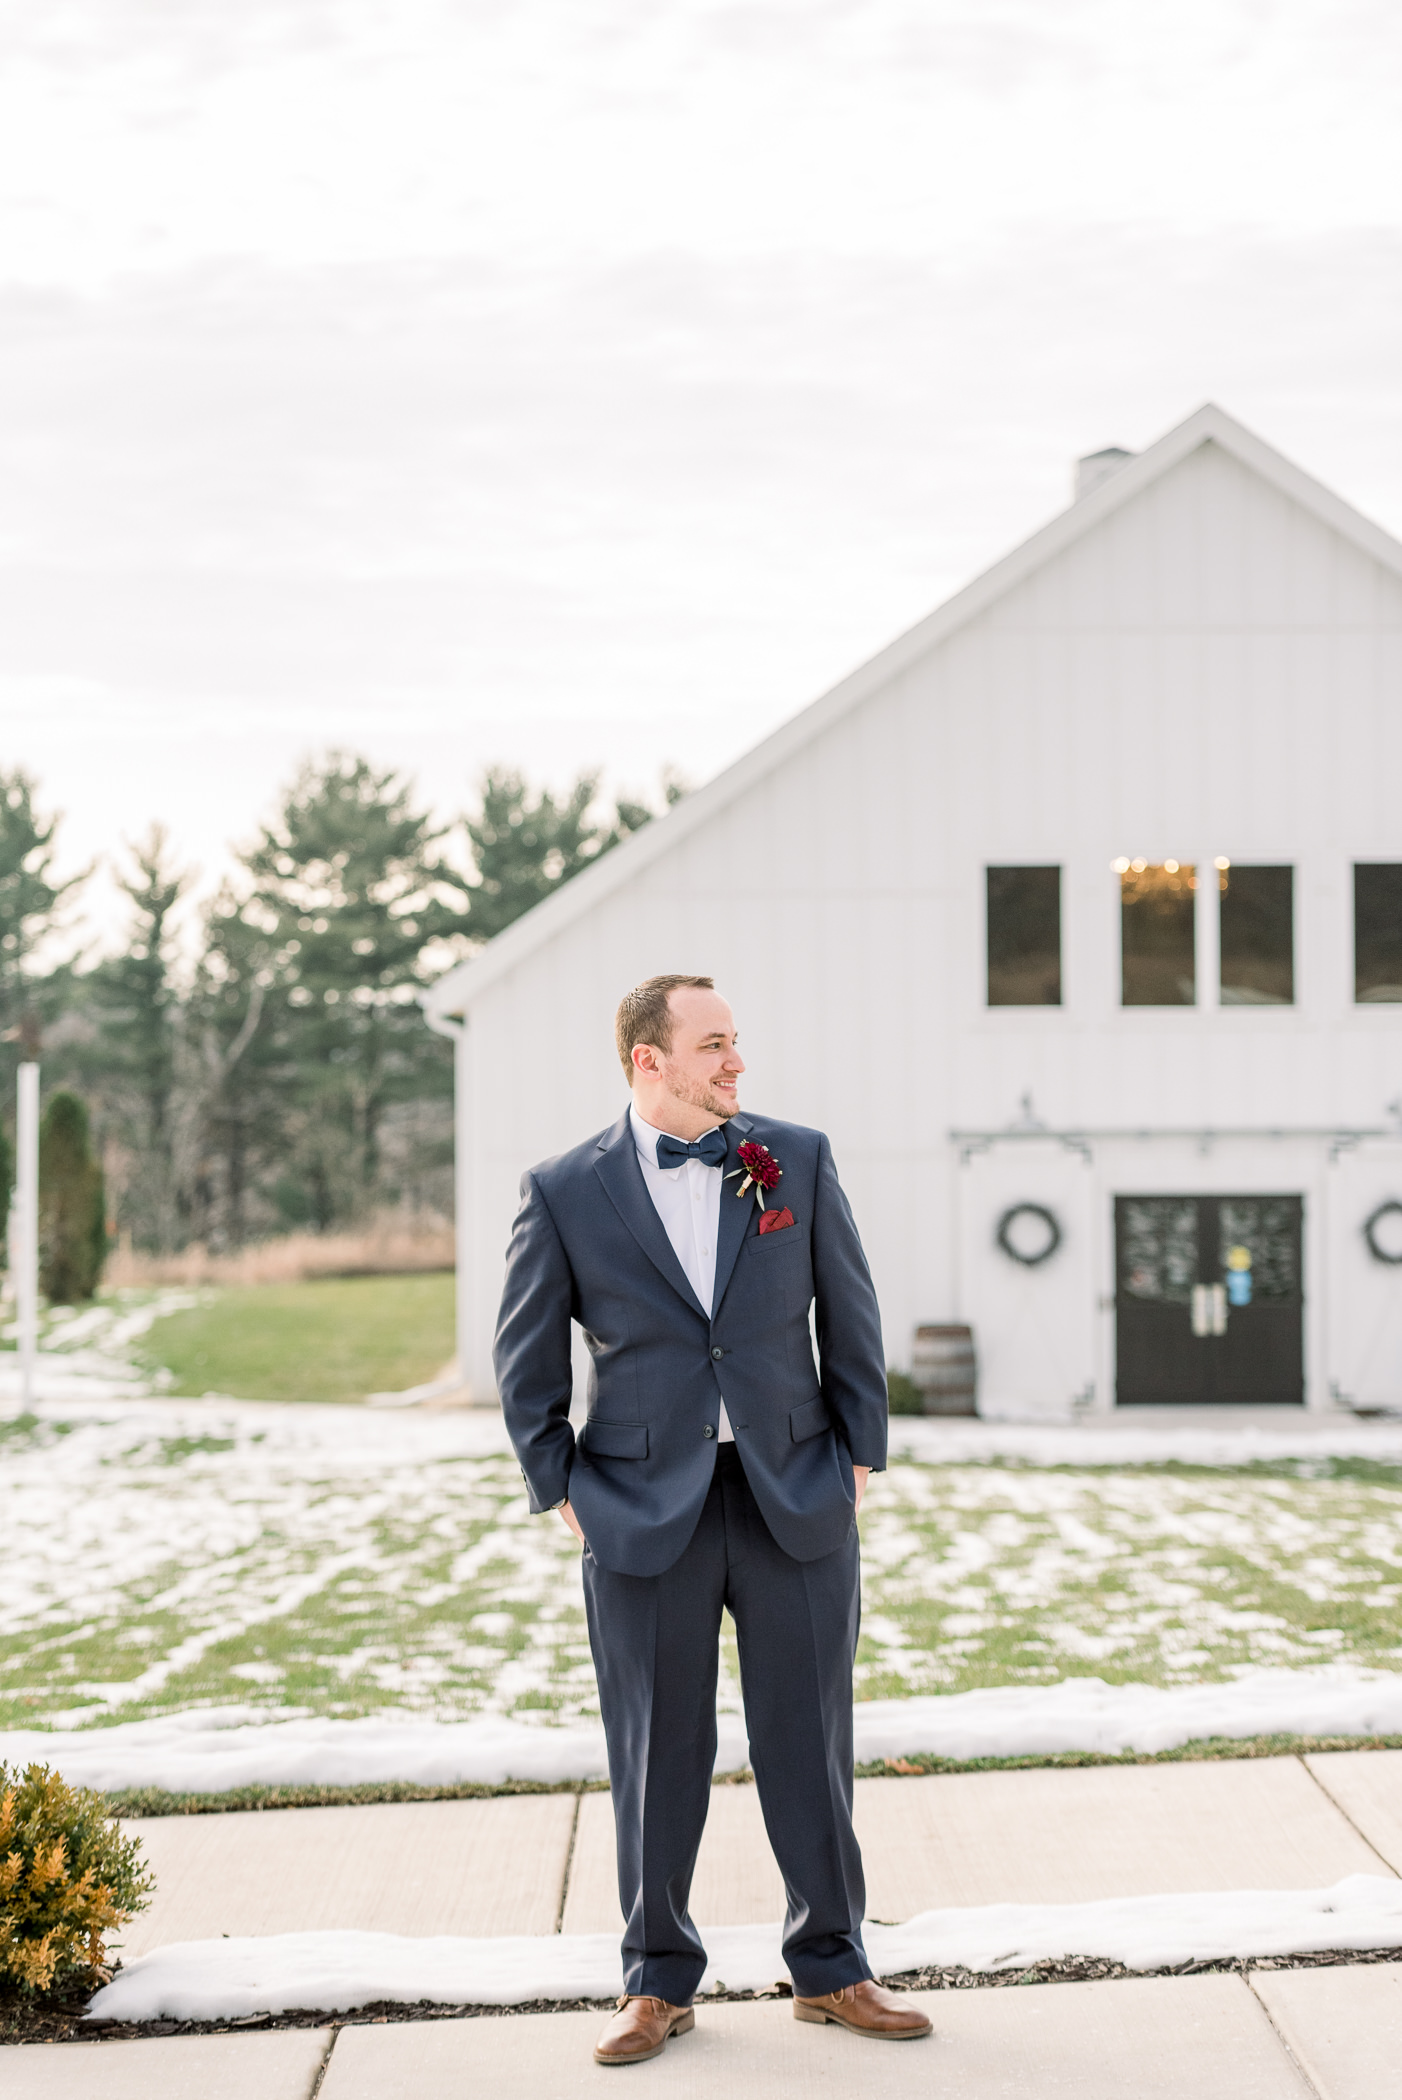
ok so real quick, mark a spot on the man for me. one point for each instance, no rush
(718, 1466)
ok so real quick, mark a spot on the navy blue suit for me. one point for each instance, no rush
(678, 1527)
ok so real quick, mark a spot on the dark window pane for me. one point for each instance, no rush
(1158, 1244)
(1259, 1244)
(1258, 936)
(1024, 936)
(1156, 935)
(1377, 932)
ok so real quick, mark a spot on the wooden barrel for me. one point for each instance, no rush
(944, 1370)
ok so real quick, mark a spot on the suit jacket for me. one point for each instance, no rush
(588, 1245)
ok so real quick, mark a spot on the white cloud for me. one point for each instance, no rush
(140, 136)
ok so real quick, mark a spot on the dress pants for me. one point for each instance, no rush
(655, 1641)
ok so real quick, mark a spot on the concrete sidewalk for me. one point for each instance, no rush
(1325, 2034)
(1208, 2037)
(418, 1867)
(1047, 1836)
(185, 2067)
(532, 1864)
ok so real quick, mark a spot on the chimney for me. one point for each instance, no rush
(1097, 467)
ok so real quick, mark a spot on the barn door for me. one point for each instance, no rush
(1208, 1300)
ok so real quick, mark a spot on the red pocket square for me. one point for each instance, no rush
(775, 1220)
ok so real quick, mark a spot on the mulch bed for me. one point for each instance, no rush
(63, 2022)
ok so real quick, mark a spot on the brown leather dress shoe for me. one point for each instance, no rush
(642, 2027)
(887, 2016)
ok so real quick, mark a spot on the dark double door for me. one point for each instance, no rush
(1208, 1300)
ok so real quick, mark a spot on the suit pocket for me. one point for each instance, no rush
(615, 1439)
(766, 1242)
(807, 1420)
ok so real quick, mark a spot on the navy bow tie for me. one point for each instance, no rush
(710, 1150)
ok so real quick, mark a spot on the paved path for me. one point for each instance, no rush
(524, 1865)
(1323, 2034)
(534, 1863)
(1206, 2037)
(184, 2067)
(465, 1867)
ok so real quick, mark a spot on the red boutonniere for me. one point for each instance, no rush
(760, 1169)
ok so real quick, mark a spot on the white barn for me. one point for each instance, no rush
(1085, 894)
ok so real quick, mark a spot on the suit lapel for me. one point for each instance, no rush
(735, 1214)
(618, 1169)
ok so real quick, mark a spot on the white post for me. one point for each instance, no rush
(25, 1238)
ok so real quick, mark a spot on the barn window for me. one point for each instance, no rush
(1024, 936)
(1258, 935)
(1377, 933)
(1156, 933)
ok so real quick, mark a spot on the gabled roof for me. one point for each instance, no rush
(456, 990)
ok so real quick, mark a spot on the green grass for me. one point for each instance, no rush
(335, 1339)
(988, 1575)
(366, 1562)
(156, 1801)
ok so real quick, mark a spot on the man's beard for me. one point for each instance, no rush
(696, 1097)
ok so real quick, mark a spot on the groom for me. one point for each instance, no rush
(718, 1466)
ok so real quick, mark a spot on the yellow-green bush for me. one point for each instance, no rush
(67, 1877)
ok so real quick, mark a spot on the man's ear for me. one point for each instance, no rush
(644, 1058)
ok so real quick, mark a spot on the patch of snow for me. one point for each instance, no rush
(1083, 1713)
(958, 1442)
(75, 1377)
(322, 1430)
(1148, 1932)
(85, 1357)
(416, 1395)
(338, 1971)
(215, 1751)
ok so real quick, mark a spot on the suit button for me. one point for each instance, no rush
(718, 1354)
(708, 1431)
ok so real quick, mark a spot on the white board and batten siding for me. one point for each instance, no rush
(1203, 657)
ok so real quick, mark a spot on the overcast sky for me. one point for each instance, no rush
(595, 381)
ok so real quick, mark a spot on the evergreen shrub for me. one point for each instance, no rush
(72, 1204)
(903, 1396)
(67, 1878)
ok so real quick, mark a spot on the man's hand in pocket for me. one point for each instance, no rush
(572, 1520)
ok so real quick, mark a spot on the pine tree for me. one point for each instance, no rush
(137, 1008)
(72, 1208)
(31, 900)
(525, 846)
(350, 893)
(241, 1068)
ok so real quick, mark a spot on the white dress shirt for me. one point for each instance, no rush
(687, 1200)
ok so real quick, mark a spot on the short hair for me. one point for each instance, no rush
(645, 1017)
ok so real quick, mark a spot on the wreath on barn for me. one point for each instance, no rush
(1007, 1225)
(1392, 1208)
